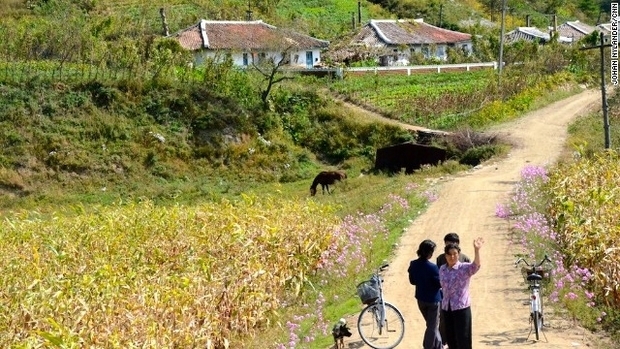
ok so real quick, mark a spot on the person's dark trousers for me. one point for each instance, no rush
(430, 312)
(442, 328)
(458, 328)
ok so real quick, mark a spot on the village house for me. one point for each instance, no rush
(248, 42)
(575, 30)
(533, 34)
(396, 41)
(605, 28)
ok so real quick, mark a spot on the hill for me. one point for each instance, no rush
(327, 19)
(94, 100)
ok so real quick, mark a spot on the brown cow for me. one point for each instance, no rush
(325, 178)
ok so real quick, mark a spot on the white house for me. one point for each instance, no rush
(250, 41)
(399, 39)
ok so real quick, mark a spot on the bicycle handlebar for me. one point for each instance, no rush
(535, 265)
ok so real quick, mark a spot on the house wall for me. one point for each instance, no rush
(402, 56)
(241, 59)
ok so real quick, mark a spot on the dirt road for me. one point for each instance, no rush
(466, 205)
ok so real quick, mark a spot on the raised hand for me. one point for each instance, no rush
(478, 242)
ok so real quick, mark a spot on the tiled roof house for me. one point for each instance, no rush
(399, 39)
(575, 30)
(248, 41)
(605, 28)
(532, 34)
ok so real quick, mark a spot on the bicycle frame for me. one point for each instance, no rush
(535, 302)
(536, 305)
(381, 320)
(379, 305)
(381, 324)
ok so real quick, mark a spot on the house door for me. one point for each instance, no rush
(309, 59)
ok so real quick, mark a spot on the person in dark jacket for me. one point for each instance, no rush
(424, 274)
(455, 239)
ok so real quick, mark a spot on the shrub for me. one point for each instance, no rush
(476, 155)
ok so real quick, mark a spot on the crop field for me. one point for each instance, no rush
(141, 276)
(585, 209)
(135, 275)
(414, 99)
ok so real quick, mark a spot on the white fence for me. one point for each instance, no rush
(408, 69)
(435, 67)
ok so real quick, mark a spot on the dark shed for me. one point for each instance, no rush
(409, 155)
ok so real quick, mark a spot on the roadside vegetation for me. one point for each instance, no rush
(568, 212)
(150, 204)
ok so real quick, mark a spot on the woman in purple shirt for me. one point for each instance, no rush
(456, 303)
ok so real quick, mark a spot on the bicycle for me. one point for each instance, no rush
(380, 324)
(535, 274)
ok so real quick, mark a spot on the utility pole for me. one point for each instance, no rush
(440, 15)
(359, 12)
(164, 23)
(249, 11)
(603, 90)
(501, 44)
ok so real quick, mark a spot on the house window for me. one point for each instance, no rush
(296, 58)
(245, 59)
(466, 50)
(441, 51)
(261, 57)
(425, 51)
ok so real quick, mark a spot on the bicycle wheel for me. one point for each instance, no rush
(376, 336)
(538, 323)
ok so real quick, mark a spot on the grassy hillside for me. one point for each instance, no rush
(327, 19)
(207, 135)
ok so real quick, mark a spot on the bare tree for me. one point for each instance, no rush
(272, 73)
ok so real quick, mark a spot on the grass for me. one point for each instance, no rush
(587, 135)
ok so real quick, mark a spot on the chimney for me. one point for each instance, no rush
(164, 22)
(527, 21)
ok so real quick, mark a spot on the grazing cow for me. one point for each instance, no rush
(409, 155)
(325, 178)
